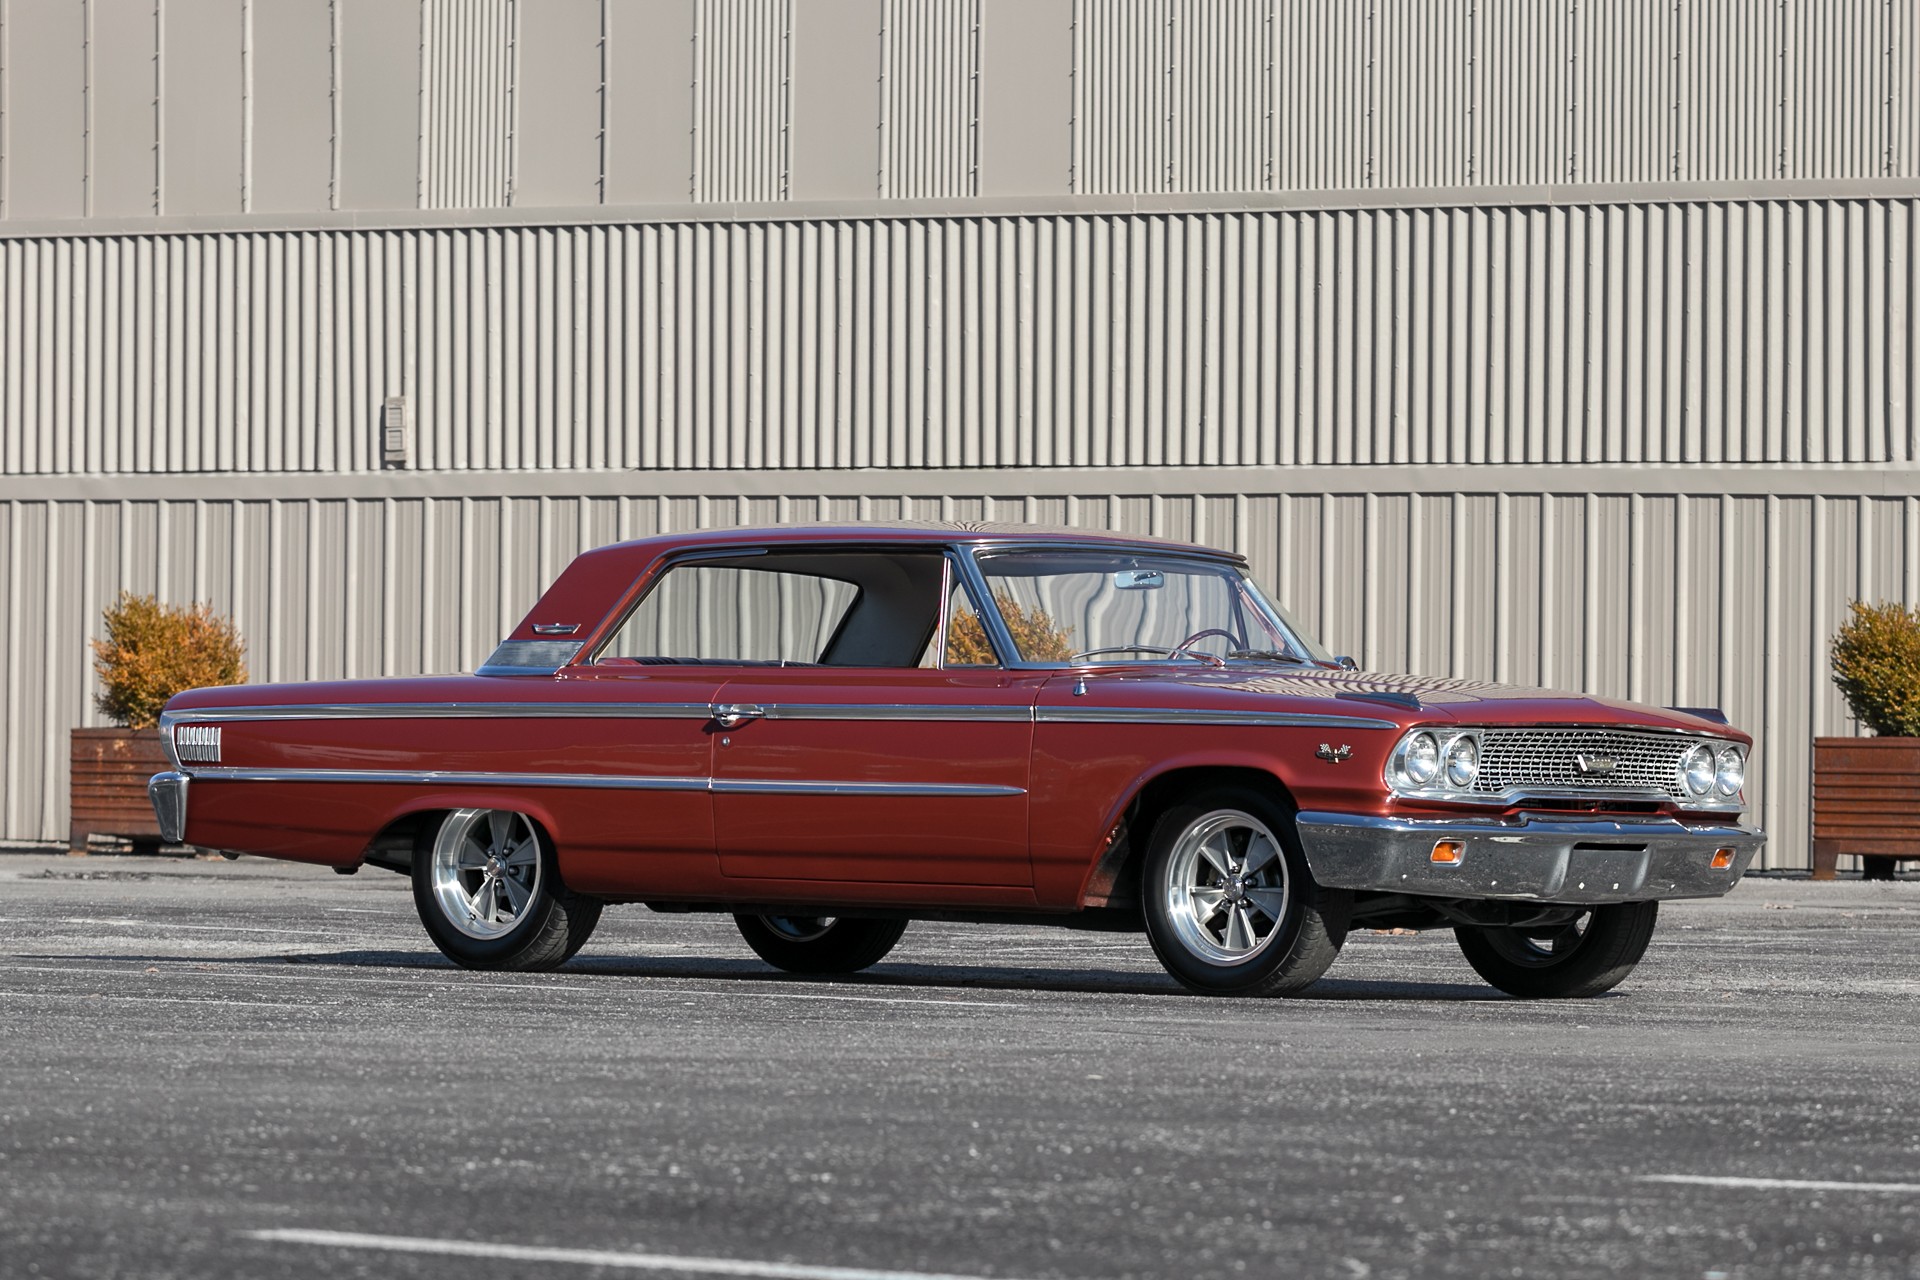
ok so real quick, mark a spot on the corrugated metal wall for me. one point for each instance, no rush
(1670, 599)
(1688, 333)
(1248, 95)
(741, 78)
(467, 74)
(929, 98)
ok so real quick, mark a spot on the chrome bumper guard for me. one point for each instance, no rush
(168, 793)
(1544, 859)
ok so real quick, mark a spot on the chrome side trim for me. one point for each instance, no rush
(448, 711)
(894, 711)
(1198, 715)
(458, 778)
(605, 782)
(761, 787)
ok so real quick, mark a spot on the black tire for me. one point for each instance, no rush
(1292, 926)
(819, 944)
(1566, 964)
(552, 926)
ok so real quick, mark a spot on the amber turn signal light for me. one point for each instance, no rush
(1447, 852)
(1722, 859)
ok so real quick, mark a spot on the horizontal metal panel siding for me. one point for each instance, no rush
(1233, 95)
(467, 54)
(1761, 332)
(741, 101)
(929, 103)
(1671, 600)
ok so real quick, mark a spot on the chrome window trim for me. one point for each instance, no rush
(608, 782)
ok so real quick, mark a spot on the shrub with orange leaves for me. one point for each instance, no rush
(153, 651)
(1038, 636)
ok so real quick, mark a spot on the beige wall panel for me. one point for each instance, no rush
(559, 92)
(834, 100)
(124, 177)
(292, 105)
(46, 109)
(1026, 107)
(201, 106)
(929, 98)
(649, 101)
(379, 104)
(470, 52)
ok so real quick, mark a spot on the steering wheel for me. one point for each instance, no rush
(1183, 649)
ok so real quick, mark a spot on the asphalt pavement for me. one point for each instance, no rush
(215, 1069)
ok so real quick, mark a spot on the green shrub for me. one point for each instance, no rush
(153, 651)
(1876, 663)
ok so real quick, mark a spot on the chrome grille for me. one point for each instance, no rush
(1544, 760)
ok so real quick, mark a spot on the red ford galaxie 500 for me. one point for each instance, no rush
(829, 732)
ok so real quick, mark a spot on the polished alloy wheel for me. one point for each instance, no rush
(800, 928)
(486, 871)
(1226, 887)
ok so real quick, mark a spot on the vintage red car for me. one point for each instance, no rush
(828, 732)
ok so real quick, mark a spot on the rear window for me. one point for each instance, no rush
(714, 613)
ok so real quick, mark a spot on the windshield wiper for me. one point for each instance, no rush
(1269, 655)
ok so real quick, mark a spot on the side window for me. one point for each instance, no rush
(712, 613)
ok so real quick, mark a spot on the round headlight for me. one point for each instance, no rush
(1463, 761)
(1421, 759)
(1696, 769)
(1730, 771)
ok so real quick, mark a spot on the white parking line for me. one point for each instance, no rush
(1778, 1184)
(588, 1257)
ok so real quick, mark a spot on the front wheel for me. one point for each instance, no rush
(819, 944)
(1231, 907)
(489, 893)
(1584, 956)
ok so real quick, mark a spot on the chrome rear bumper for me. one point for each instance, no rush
(1545, 859)
(168, 793)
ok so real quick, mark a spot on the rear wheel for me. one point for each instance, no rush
(819, 944)
(488, 891)
(1231, 906)
(1584, 956)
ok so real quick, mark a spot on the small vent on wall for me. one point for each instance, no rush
(396, 435)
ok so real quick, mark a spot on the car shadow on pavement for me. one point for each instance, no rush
(880, 978)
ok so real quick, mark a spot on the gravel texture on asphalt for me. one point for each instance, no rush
(200, 1050)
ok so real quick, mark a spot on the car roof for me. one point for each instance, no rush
(930, 532)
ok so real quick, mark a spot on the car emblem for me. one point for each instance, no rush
(1337, 755)
(1593, 765)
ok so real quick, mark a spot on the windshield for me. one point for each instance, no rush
(1098, 606)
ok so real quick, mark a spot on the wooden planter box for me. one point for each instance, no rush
(108, 786)
(1866, 801)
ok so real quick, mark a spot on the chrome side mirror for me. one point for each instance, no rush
(1345, 663)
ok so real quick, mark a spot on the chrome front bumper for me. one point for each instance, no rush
(1528, 858)
(168, 793)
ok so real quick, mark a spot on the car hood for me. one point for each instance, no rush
(1413, 700)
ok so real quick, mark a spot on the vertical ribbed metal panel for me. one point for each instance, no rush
(929, 103)
(1773, 332)
(741, 103)
(468, 51)
(1240, 95)
(1662, 598)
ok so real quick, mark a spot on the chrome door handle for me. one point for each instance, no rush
(731, 715)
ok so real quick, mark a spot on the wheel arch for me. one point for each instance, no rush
(420, 817)
(1113, 879)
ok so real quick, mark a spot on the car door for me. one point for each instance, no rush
(875, 776)
(880, 774)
